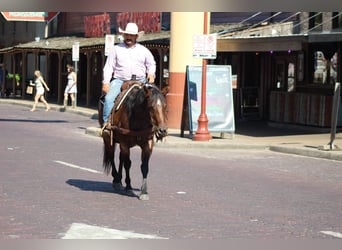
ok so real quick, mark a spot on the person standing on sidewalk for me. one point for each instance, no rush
(71, 88)
(127, 60)
(40, 84)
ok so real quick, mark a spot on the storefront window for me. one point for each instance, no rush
(325, 70)
(291, 77)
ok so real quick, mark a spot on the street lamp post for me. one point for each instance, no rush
(202, 133)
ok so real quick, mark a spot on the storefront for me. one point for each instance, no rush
(52, 55)
(287, 79)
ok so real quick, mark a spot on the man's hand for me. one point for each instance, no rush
(150, 78)
(105, 88)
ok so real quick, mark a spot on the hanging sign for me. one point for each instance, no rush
(204, 46)
(109, 44)
(76, 52)
(30, 16)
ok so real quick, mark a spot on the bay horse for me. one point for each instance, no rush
(138, 118)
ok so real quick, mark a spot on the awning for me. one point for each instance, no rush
(261, 44)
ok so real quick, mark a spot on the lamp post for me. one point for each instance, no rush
(202, 133)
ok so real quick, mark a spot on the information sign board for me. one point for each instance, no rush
(219, 97)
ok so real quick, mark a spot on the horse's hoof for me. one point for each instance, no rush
(144, 197)
(117, 186)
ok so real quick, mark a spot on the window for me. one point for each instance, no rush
(337, 20)
(325, 70)
(290, 77)
(315, 21)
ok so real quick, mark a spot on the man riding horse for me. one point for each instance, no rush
(128, 59)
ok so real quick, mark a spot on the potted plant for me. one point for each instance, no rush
(17, 78)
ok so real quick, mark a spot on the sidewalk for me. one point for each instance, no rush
(249, 135)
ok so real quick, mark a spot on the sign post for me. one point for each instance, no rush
(201, 49)
(76, 58)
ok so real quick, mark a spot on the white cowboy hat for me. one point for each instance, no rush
(132, 29)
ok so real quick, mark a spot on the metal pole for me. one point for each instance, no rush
(202, 133)
(334, 114)
(76, 72)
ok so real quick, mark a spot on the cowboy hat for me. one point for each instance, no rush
(132, 29)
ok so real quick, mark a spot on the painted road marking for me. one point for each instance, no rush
(78, 167)
(84, 231)
(335, 234)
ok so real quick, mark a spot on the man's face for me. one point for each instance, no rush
(130, 40)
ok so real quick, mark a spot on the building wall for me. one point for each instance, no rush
(15, 32)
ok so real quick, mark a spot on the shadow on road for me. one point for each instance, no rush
(100, 186)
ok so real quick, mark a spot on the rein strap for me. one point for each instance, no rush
(126, 94)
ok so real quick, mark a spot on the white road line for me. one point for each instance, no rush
(335, 234)
(84, 231)
(78, 167)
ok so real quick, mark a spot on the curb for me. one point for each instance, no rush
(309, 152)
(173, 141)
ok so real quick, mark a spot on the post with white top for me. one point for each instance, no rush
(75, 59)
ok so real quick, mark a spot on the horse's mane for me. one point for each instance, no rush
(156, 94)
(135, 101)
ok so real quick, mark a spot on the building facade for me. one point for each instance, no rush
(284, 64)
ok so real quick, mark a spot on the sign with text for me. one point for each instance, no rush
(204, 46)
(76, 52)
(30, 16)
(219, 97)
(109, 44)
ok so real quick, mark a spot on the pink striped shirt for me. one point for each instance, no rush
(125, 62)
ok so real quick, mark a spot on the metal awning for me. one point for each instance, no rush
(261, 44)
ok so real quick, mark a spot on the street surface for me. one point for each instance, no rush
(52, 186)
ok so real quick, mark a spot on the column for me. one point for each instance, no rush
(183, 26)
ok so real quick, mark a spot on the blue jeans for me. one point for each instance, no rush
(114, 90)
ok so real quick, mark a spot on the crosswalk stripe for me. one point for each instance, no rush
(335, 234)
(78, 167)
(84, 231)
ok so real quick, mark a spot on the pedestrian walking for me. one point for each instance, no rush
(40, 84)
(71, 87)
(126, 60)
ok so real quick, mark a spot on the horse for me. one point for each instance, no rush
(138, 118)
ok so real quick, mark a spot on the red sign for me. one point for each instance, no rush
(30, 16)
(149, 22)
(96, 26)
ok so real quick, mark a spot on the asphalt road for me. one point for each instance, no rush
(52, 186)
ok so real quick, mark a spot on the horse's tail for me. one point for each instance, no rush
(108, 154)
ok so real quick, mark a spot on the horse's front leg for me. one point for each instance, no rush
(145, 158)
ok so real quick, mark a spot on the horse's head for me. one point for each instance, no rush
(158, 110)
